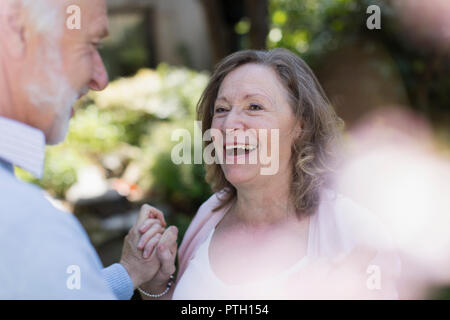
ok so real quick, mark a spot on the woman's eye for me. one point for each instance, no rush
(255, 107)
(220, 109)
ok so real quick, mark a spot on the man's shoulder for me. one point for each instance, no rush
(27, 205)
(17, 193)
(44, 247)
(26, 213)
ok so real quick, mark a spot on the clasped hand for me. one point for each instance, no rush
(149, 251)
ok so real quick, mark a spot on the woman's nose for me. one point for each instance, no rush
(233, 120)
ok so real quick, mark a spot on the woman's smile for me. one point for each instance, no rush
(235, 153)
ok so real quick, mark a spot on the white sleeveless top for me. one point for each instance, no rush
(338, 227)
(199, 282)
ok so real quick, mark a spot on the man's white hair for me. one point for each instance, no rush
(45, 16)
(52, 90)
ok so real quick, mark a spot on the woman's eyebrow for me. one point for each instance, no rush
(222, 98)
(252, 95)
(247, 96)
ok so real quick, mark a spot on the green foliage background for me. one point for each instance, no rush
(134, 119)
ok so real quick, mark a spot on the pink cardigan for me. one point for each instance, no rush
(338, 226)
(199, 229)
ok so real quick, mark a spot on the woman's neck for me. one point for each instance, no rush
(267, 205)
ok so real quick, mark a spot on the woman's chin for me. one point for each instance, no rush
(240, 174)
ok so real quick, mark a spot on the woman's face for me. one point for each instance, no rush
(252, 100)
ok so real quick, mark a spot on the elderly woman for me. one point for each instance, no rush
(283, 235)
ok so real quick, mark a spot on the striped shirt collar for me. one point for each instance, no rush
(22, 146)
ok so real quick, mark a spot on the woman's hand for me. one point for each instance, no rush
(165, 251)
(151, 230)
(142, 269)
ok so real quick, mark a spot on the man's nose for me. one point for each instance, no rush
(99, 79)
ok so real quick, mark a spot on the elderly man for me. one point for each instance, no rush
(45, 66)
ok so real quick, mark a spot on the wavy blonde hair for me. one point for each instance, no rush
(313, 152)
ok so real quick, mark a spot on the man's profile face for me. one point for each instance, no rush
(82, 62)
(69, 66)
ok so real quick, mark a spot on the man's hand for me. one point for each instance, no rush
(143, 266)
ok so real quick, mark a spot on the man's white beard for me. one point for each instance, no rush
(62, 120)
(53, 93)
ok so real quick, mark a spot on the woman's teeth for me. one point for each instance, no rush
(239, 149)
(241, 146)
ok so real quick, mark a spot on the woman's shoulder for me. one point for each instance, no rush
(211, 203)
(202, 223)
(345, 224)
(205, 215)
(208, 210)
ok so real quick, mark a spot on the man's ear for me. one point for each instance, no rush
(12, 24)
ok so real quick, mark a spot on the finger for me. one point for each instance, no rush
(173, 248)
(156, 228)
(143, 214)
(155, 213)
(166, 259)
(148, 249)
(147, 224)
(169, 237)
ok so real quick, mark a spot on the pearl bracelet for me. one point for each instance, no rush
(147, 294)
